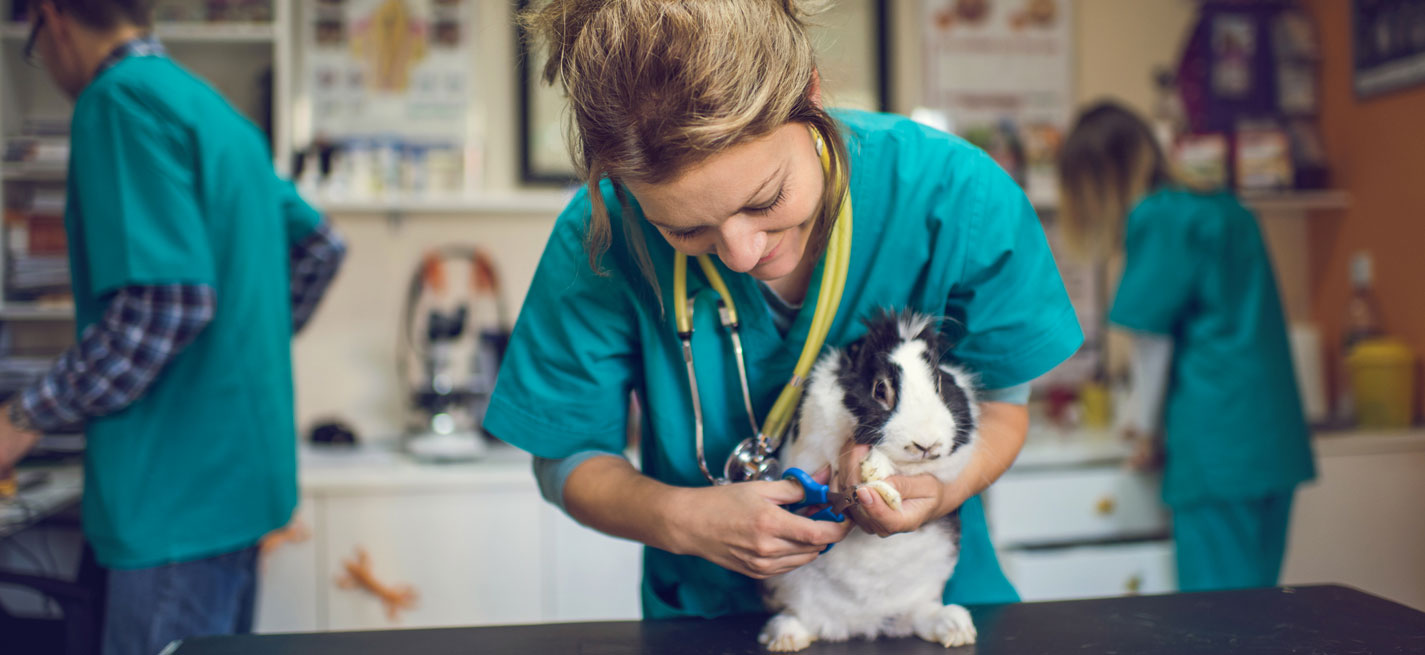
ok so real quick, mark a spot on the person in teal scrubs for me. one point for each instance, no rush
(695, 129)
(192, 264)
(1215, 392)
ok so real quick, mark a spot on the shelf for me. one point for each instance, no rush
(12, 174)
(1297, 201)
(216, 32)
(24, 311)
(1368, 441)
(509, 202)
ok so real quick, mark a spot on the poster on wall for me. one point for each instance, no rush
(391, 82)
(998, 73)
(1388, 43)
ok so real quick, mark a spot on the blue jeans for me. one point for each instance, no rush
(148, 608)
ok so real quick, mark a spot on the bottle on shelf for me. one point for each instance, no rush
(1361, 322)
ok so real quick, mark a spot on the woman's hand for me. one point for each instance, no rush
(1147, 455)
(1003, 427)
(921, 496)
(743, 528)
(921, 499)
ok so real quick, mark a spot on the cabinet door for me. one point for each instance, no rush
(1063, 506)
(592, 576)
(1360, 522)
(287, 578)
(1092, 571)
(471, 556)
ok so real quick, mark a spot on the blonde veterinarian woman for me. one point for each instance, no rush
(1213, 375)
(701, 132)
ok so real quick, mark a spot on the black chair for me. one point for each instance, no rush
(81, 603)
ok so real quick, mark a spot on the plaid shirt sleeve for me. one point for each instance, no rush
(119, 357)
(314, 263)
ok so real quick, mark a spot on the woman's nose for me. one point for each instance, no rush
(740, 245)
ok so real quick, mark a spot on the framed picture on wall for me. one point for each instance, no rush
(1388, 44)
(851, 43)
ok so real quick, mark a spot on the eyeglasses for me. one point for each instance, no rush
(31, 57)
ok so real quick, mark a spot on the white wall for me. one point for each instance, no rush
(346, 358)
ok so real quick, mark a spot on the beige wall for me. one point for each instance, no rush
(345, 361)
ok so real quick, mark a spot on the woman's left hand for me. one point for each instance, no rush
(921, 497)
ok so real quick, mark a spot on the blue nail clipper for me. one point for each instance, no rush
(817, 494)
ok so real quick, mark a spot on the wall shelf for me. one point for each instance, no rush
(25, 174)
(25, 311)
(1297, 201)
(216, 32)
(494, 202)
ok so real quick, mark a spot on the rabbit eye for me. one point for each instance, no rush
(884, 393)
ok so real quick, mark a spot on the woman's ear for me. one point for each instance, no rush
(814, 90)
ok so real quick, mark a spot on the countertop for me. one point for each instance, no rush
(62, 487)
(382, 466)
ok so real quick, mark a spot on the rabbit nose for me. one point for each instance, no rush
(924, 450)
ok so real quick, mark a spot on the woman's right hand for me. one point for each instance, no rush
(1147, 455)
(743, 528)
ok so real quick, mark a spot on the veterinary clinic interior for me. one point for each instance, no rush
(705, 326)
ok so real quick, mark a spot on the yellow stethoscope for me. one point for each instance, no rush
(754, 457)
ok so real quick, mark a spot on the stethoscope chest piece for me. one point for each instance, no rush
(748, 463)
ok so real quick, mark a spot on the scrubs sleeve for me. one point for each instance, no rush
(1159, 269)
(136, 180)
(564, 382)
(1011, 317)
(299, 218)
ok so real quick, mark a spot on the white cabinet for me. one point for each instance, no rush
(1070, 521)
(471, 558)
(1360, 522)
(474, 542)
(287, 582)
(1091, 571)
(1059, 506)
(591, 576)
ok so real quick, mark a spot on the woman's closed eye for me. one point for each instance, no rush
(767, 208)
(687, 234)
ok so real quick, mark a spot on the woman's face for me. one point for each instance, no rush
(752, 205)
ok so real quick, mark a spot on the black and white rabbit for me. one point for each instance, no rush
(889, 390)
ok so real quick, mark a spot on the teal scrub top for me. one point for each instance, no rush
(169, 184)
(1196, 269)
(938, 228)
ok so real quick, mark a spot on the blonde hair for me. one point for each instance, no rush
(656, 87)
(1109, 160)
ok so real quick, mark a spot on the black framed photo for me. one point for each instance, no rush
(1388, 44)
(851, 45)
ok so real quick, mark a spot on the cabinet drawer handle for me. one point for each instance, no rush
(1133, 585)
(1105, 505)
(358, 575)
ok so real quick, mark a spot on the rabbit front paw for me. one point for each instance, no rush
(874, 470)
(876, 466)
